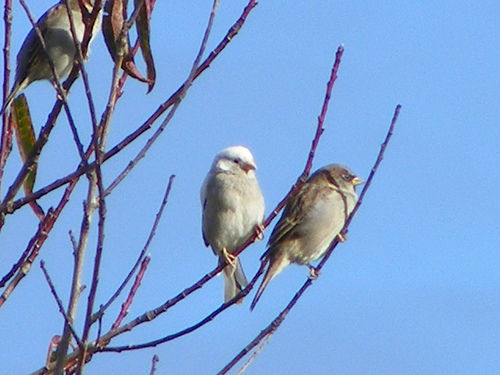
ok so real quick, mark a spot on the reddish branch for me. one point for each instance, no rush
(133, 290)
(6, 136)
(154, 362)
(22, 267)
(274, 325)
(152, 314)
(59, 304)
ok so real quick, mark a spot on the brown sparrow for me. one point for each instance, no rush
(312, 218)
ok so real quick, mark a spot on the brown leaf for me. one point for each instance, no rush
(143, 33)
(131, 69)
(115, 15)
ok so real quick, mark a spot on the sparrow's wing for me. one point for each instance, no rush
(31, 51)
(203, 200)
(203, 221)
(296, 211)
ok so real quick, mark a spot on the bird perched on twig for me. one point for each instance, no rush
(54, 25)
(312, 218)
(233, 210)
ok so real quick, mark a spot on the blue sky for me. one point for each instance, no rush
(416, 287)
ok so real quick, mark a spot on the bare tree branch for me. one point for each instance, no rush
(274, 325)
(126, 305)
(252, 239)
(154, 362)
(6, 136)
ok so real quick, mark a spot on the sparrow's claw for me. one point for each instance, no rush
(229, 258)
(58, 94)
(259, 230)
(313, 272)
(342, 237)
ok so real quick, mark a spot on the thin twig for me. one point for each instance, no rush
(143, 252)
(324, 110)
(154, 362)
(274, 325)
(314, 144)
(6, 136)
(135, 286)
(254, 355)
(59, 303)
(98, 144)
(21, 269)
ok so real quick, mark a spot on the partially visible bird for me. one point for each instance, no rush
(233, 210)
(54, 25)
(311, 220)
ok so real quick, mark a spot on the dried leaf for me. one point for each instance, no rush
(131, 69)
(143, 32)
(25, 137)
(115, 15)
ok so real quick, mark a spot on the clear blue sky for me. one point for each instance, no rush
(414, 290)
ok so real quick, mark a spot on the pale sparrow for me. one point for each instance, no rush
(233, 209)
(54, 25)
(312, 218)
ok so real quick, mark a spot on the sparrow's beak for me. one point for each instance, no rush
(356, 181)
(248, 167)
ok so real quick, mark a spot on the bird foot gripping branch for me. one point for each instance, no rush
(313, 273)
(229, 258)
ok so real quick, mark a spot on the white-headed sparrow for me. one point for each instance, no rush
(54, 25)
(233, 209)
(312, 218)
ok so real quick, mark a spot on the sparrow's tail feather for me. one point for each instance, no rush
(239, 275)
(16, 89)
(234, 281)
(276, 265)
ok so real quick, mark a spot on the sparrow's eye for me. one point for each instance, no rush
(236, 161)
(347, 177)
